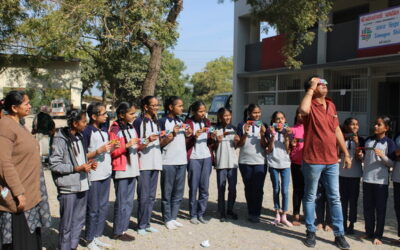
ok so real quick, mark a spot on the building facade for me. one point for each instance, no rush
(55, 74)
(360, 59)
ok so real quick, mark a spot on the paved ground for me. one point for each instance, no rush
(239, 234)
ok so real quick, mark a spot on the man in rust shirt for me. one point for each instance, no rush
(322, 135)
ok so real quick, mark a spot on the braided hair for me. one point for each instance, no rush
(122, 109)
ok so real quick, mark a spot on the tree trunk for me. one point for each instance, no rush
(154, 67)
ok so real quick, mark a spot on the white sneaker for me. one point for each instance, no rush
(170, 225)
(92, 246)
(101, 244)
(177, 224)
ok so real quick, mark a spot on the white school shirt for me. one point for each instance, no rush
(132, 167)
(150, 157)
(251, 153)
(225, 155)
(95, 139)
(376, 169)
(356, 170)
(81, 159)
(174, 153)
(396, 169)
(279, 157)
(200, 148)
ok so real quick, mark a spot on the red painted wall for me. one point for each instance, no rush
(271, 52)
(378, 51)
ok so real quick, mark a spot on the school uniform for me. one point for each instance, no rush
(150, 162)
(125, 171)
(200, 159)
(98, 194)
(396, 185)
(174, 163)
(296, 158)
(252, 168)
(68, 152)
(349, 182)
(227, 163)
(279, 166)
(376, 183)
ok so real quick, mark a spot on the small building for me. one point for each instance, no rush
(55, 76)
(360, 59)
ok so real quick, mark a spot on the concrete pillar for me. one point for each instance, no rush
(321, 43)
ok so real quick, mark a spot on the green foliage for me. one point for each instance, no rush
(294, 19)
(114, 39)
(216, 78)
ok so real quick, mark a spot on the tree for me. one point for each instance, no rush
(216, 78)
(68, 27)
(294, 19)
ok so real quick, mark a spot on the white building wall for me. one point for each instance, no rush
(57, 75)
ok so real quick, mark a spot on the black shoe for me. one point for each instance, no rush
(202, 220)
(232, 215)
(309, 241)
(254, 219)
(341, 242)
(222, 217)
(350, 229)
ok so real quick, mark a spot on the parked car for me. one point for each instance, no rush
(219, 101)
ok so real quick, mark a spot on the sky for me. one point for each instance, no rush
(206, 33)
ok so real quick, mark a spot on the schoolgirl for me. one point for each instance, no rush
(252, 159)
(125, 166)
(70, 168)
(199, 151)
(226, 162)
(174, 161)
(98, 147)
(278, 160)
(296, 158)
(349, 178)
(396, 184)
(150, 161)
(378, 159)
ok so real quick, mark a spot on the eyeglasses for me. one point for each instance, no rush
(103, 114)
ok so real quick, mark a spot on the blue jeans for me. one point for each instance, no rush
(279, 187)
(330, 180)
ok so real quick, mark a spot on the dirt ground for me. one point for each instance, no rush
(239, 234)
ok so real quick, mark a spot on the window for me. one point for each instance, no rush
(348, 89)
(218, 102)
(276, 90)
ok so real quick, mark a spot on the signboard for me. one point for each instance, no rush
(379, 28)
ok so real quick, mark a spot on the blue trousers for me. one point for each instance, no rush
(280, 185)
(330, 181)
(224, 175)
(72, 219)
(253, 178)
(199, 171)
(97, 208)
(147, 187)
(124, 196)
(172, 188)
